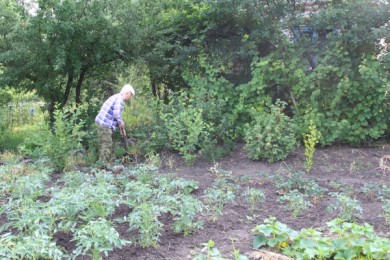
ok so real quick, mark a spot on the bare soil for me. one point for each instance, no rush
(352, 167)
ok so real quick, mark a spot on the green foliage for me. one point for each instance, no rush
(151, 196)
(186, 129)
(145, 219)
(347, 208)
(228, 34)
(345, 241)
(297, 181)
(187, 209)
(5, 98)
(271, 136)
(293, 181)
(96, 237)
(216, 97)
(350, 113)
(37, 246)
(82, 204)
(273, 234)
(384, 192)
(56, 50)
(220, 193)
(23, 184)
(296, 202)
(254, 197)
(20, 115)
(10, 140)
(310, 140)
(65, 141)
(386, 209)
(371, 190)
(210, 252)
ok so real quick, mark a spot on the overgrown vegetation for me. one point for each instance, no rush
(208, 74)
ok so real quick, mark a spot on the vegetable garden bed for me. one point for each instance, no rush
(173, 212)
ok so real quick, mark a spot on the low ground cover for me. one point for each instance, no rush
(181, 212)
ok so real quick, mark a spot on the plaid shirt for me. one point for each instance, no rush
(110, 114)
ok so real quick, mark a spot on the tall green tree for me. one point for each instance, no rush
(228, 33)
(63, 43)
(345, 92)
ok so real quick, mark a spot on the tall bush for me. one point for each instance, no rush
(186, 130)
(271, 136)
(64, 142)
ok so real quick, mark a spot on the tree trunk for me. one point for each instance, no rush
(78, 86)
(154, 87)
(67, 90)
(51, 109)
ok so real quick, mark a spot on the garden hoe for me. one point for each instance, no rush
(125, 143)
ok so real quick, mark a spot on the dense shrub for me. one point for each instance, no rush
(64, 143)
(271, 136)
(186, 129)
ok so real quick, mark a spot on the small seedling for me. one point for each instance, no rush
(295, 202)
(254, 197)
(386, 209)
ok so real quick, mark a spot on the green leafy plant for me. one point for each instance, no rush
(29, 186)
(205, 91)
(254, 197)
(336, 184)
(96, 237)
(36, 246)
(310, 140)
(273, 234)
(221, 192)
(186, 129)
(184, 216)
(144, 173)
(153, 158)
(185, 186)
(347, 208)
(65, 141)
(371, 190)
(345, 241)
(216, 199)
(145, 219)
(386, 209)
(384, 192)
(271, 136)
(296, 202)
(84, 197)
(210, 252)
(298, 181)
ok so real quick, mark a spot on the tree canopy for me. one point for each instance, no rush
(321, 57)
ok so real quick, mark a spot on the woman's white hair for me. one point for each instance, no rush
(128, 88)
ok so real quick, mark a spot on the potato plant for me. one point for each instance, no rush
(39, 245)
(96, 237)
(145, 219)
(295, 202)
(254, 197)
(346, 207)
(184, 217)
(83, 203)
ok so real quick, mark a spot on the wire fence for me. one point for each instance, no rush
(17, 114)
